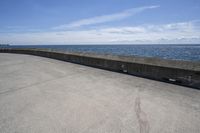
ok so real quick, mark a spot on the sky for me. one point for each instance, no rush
(33, 22)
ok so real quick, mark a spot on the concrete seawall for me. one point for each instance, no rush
(184, 73)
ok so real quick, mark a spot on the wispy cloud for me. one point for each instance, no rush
(106, 18)
(182, 32)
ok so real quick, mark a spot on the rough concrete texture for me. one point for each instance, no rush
(186, 73)
(45, 95)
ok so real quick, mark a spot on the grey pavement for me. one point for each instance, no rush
(41, 95)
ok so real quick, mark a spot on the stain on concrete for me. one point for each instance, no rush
(141, 116)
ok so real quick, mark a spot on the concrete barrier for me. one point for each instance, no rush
(184, 73)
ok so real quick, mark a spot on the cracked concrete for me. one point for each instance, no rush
(141, 116)
(46, 95)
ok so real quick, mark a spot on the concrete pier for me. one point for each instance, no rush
(186, 73)
(45, 95)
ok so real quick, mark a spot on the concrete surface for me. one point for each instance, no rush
(42, 95)
(185, 73)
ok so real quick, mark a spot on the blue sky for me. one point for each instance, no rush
(99, 21)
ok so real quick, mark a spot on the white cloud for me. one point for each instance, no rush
(105, 18)
(184, 32)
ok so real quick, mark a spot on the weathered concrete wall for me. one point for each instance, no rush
(178, 72)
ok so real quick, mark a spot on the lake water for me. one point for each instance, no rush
(176, 52)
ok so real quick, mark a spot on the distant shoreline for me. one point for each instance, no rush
(104, 44)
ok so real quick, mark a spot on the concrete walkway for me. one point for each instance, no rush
(41, 95)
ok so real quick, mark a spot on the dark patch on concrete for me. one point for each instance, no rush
(142, 117)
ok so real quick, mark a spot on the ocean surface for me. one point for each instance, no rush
(189, 52)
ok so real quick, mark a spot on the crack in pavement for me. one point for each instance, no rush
(141, 116)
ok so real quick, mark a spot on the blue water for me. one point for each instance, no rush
(175, 52)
